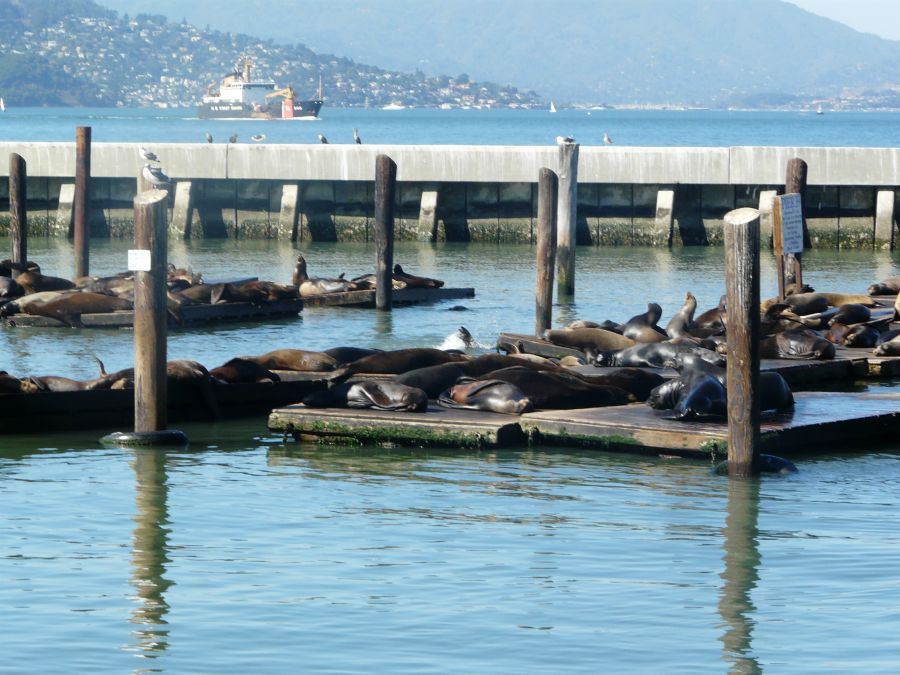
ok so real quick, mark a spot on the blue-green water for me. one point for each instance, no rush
(246, 553)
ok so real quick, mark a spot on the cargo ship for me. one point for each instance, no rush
(240, 97)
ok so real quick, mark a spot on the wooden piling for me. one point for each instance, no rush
(567, 210)
(150, 407)
(81, 210)
(795, 182)
(385, 188)
(18, 215)
(548, 195)
(742, 302)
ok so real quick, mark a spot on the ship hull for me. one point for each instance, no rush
(236, 110)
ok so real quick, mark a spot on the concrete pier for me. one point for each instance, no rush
(625, 195)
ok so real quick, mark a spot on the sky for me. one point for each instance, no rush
(881, 17)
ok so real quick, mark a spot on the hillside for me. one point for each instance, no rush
(75, 52)
(705, 52)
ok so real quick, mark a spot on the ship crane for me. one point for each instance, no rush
(287, 92)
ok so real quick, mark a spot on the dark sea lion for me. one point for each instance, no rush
(850, 313)
(560, 390)
(413, 281)
(242, 370)
(308, 286)
(56, 383)
(181, 274)
(693, 394)
(680, 324)
(369, 394)
(111, 284)
(862, 336)
(638, 382)
(10, 269)
(646, 319)
(890, 286)
(348, 354)
(35, 282)
(796, 344)
(254, 292)
(794, 289)
(201, 293)
(888, 335)
(13, 385)
(888, 348)
(299, 360)
(589, 340)
(433, 380)
(485, 363)
(399, 361)
(656, 355)
(10, 288)
(490, 395)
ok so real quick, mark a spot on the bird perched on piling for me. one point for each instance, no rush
(258, 138)
(606, 139)
(322, 138)
(155, 176)
(209, 138)
(356, 137)
(232, 138)
(148, 155)
(565, 139)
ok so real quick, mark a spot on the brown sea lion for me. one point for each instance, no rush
(369, 394)
(638, 382)
(347, 354)
(711, 321)
(201, 293)
(399, 361)
(68, 308)
(589, 340)
(308, 286)
(643, 328)
(890, 286)
(243, 370)
(796, 344)
(10, 288)
(850, 313)
(299, 360)
(254, 292)
(812, 303)
(681, 322)
(489, 395)
(56, 383)
(10, 384)
(35, 282)
(560, 390)
(413, 281)
(583, 323)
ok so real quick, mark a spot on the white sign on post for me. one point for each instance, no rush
(791, 223)
(138, 260)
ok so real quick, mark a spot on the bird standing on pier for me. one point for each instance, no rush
(606, 139)
(258, 138)
(155, 176)
(322, 138)
(356, 137)
(232, 138)
(209, 138)
(148, 155)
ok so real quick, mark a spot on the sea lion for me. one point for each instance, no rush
(35, 282)
(369, 394)
(490, 395)
(254, 292)
(643, 328)
(413, 281)
(10, 288)
(681, 322)
(10, 384)
(850, 313)
(348, 354)
(179, 273)
(433, 380)
(560, 390)
(398, 361)
(888, 348)
(656, 355)
(64, 306)
(8, 268)
(711, 322)
(243, 370)
(56, 383)
(693, 394)
(774, 391)
(112, 284)
(861, 336)
(638, 382)
(796, 344)
(308, 286)
(583, 323)
(589, 340)
(201, 293)
(299, 360)
(811, 303)
(890, 286)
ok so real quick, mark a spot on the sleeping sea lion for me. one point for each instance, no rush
(888, 348)
(890, 286)
(850, 313)
(243, 370)
(35, 282)
(8, 268)
(369, 394)
(294, 359)
(13, 385)
(589, 340)
(796, 344)
(433, 380)
(861, 336)
(656, 355)
(490, 395)
(694, 394)
(10, 288)
(66, 307)
(348, 354)
(413, 281)
(399, 361)
(560, 390)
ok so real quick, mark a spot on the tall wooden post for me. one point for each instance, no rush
(795, 182)
(548, 194)
(742, 301)
(150, 400)
(18, 215)
(566, 217)
(81, 209)
(385, 188)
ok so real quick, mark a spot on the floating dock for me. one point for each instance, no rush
(819, 419)
(399, 296)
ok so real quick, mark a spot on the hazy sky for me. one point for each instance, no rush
(881, 17)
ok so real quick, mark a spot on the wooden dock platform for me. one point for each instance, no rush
(192, 315)
(399, 296)
(820, 420)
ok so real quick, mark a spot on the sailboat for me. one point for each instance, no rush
(819, 110)
(2, 105)
(552, 107)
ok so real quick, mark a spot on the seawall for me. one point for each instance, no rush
(626, 195)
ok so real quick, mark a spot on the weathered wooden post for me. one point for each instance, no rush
(795, 183)
(81, 207)
(548, 194)
(385, 187)
(18, 215)
(567, 211)
(742, 378)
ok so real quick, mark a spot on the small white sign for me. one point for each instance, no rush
(138, 260)
(791, 223)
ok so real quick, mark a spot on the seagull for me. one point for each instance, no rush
(209, 138)
(155, 176)
(148, 155)
(258, 138)
(565, 139)
(356, 137)
(232, 138)
(606, 139)
(322, 138)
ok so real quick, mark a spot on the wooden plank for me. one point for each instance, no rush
(400, 296)
(437, 427)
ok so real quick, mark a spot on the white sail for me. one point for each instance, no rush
(2, 105)
(552, 107)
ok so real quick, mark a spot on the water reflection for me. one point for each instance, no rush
(740, 576)
(150, 555)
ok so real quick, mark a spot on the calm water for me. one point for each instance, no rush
(246, 553)
(492, 127)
